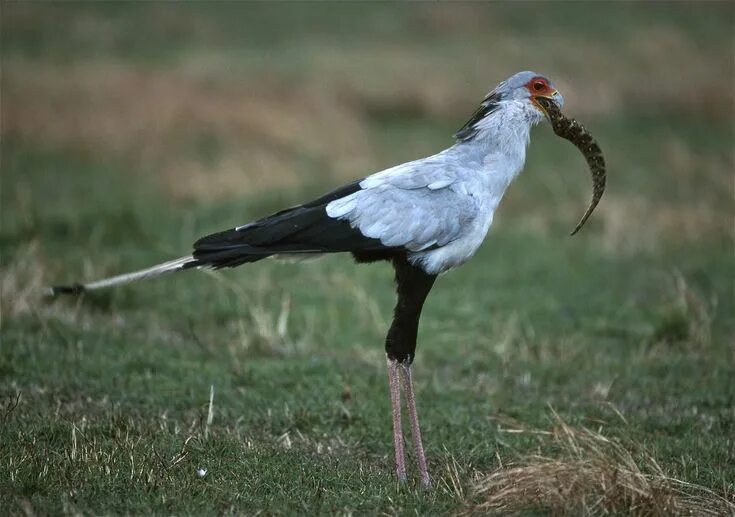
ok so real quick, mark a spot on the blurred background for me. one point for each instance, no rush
(218, 102)
(130, 129)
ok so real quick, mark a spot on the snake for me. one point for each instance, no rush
(569, 129)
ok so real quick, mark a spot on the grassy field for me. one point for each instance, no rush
(554, 375)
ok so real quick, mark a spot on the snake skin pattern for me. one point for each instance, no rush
(571, 130)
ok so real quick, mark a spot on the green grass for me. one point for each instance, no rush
(632, 318)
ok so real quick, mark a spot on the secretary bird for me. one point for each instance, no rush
(425, 217)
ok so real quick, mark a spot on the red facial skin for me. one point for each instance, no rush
(539, 87)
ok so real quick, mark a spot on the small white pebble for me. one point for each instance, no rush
(201, 472)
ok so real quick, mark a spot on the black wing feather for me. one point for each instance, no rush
(488, 106)
(300, 229)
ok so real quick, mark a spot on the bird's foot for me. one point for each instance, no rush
(400, 374)
(415, 429)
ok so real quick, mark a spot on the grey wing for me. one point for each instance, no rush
(411, 210)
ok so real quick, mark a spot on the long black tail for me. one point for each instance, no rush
(301, 230)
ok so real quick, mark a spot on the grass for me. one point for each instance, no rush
(143, 127)
(592, 475)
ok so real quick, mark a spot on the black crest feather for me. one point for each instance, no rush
(489, 105)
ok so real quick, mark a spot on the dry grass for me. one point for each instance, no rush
(592, 475)
(685, 316)
(24, 279)
(204, 138)
(21, 282)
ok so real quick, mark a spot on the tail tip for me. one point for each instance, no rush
(75, 289)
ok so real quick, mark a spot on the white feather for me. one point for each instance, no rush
(341, 207)
(440, 184)
(157, 270)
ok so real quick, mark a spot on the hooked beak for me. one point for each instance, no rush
(554, 97)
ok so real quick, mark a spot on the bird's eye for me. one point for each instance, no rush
(538, 86)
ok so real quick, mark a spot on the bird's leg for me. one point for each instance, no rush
(415, 430)
(394, 382)
(413, 285)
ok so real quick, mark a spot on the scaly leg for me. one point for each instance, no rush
(415, 430)
(395, 401)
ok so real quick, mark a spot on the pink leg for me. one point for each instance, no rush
(415, 431)
(395, 402)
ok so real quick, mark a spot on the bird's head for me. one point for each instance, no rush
(528, 87)
(525, 88)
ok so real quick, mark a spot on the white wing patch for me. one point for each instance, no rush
(406, 208)
(339, 208)
(440, 184)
